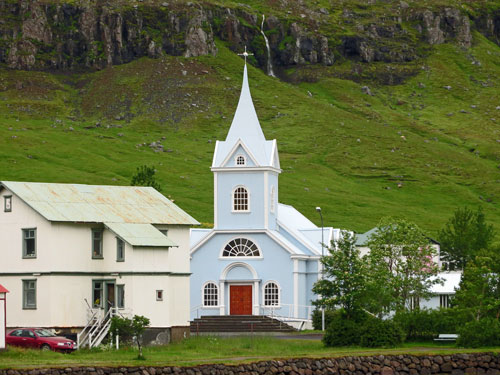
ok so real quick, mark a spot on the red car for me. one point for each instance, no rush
(39, 338)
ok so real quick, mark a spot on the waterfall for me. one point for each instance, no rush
(269, 63)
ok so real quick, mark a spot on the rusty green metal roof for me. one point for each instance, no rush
(99, 203)
(140, 234)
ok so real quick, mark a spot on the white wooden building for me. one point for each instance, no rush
(442, 292)
(70, 250)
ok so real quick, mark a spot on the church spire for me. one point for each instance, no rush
(245, 125)
(245, 135)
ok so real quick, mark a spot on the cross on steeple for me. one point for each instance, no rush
(245, 54)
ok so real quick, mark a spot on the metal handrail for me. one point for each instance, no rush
(101, 323)
(104, 328)
(197, 309)
(272, 310)
(83, 335)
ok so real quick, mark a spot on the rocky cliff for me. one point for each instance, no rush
(74, 35)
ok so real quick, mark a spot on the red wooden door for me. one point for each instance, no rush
(241, 299)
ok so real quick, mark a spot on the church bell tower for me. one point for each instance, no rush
(246, 168)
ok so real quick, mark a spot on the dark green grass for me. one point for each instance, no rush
(199, 350)
(340, 149)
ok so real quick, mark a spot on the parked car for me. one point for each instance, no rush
(39, 338)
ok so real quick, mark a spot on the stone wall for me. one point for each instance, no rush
(457, 364)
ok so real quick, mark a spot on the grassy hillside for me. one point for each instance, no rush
(340, 148)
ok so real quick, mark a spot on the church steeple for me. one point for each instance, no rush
(245, 125)
(246, 169)
(246, 133)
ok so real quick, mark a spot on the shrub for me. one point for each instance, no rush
(477, 333)
(378, 333)
(316, 318)
(428, 324)
(342, 332)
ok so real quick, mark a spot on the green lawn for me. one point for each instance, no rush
(199, 350)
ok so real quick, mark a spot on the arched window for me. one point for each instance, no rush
(210, 295)
(271, 294)
(273, 199)
(240, 199)
(241, 247)
(240, 160)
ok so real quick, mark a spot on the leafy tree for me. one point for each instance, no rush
(465, 234)
(479, 293)
(145, 176)
(130, 328)
(401, 266)
(344, 280)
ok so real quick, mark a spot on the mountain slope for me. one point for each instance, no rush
(387, 108)
(340, 148)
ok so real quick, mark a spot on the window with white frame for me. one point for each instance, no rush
(271, 294)
(7, 203)
(240, 160)
(273, 198)
(444, 301)
(414, 303)
(241, 247)
(159, 294)
(210, 295)
(29, 294)
(29, 243)
(240, 199)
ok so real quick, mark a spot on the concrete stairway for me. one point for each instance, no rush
(238, 324)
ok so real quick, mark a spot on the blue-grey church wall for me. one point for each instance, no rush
(253, 181)
(274, 265)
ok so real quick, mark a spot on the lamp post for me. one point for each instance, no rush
(322, 272)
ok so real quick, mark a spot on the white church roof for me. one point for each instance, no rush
(245, 129)
(196, 235)
(304, 230)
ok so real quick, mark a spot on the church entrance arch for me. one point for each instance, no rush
(241, 284)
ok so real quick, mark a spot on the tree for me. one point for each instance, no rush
(465, 234)
(130, 329)
(479, 293)
(344, 278)
(401, 266)
(145, 176)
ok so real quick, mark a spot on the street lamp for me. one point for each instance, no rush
(322, 269)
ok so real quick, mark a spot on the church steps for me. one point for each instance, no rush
(238, 323)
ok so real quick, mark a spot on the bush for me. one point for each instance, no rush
(428, 324)
(477, 333)
(342, 332)
(316, 318)
(378, 333)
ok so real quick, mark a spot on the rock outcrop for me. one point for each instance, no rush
(58, 35)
